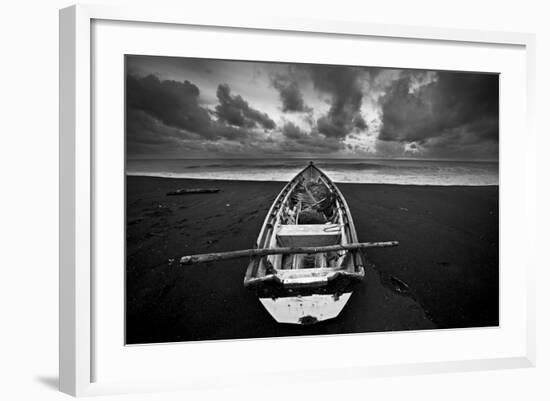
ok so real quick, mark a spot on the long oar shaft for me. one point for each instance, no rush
(213, 257)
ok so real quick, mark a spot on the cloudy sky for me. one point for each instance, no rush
(201, 108)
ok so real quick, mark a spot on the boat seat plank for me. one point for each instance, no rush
(290, 235)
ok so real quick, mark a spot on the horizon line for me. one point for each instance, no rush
(316, 158)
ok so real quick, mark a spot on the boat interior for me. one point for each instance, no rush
(310, 211)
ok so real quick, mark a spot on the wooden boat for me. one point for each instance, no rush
(301, 288)
(307, 257)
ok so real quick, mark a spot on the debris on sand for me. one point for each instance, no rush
(185, 191)
(399, 286)
(153, 234)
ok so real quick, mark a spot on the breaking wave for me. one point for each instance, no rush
(405, 172)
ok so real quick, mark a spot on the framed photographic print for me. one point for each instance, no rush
(341, 190)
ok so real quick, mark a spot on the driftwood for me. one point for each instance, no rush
(213, 257)
(185, 191)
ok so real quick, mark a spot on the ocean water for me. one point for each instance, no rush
(377, 171)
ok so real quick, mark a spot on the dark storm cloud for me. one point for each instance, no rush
(173, 103)
(165, 111)
(455, 111)
(344, 85)
(142, 128)
(292, 131)
(236, 111)
(147, 135)
(359, 122)
(300, 141)
(289, 92)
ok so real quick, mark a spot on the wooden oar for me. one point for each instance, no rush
(213, 257)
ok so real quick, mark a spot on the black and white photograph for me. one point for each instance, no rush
(293, 199)
(270, 199)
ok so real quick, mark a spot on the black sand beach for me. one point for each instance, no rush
(444, 274)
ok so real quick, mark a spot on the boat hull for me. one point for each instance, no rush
(290, 291)
(305, 310)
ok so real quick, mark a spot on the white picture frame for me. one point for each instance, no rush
(78, 317)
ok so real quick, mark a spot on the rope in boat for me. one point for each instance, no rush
(316, 203)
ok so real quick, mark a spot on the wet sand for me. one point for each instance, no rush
(444, 274)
